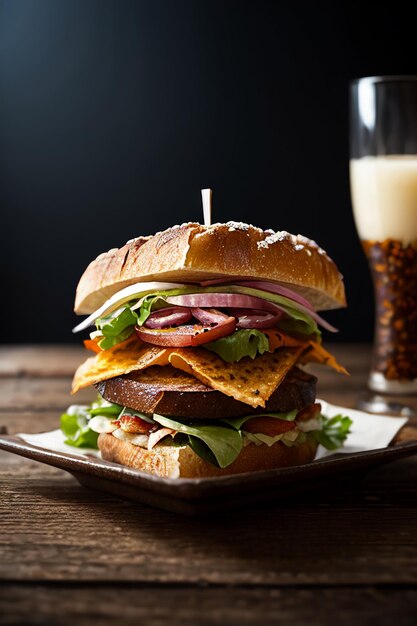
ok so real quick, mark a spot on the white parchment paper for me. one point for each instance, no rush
(368, 431)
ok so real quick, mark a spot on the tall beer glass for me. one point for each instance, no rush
(383, 180)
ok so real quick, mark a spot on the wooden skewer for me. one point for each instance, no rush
(207, 198)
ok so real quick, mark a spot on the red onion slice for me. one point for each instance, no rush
(170, 316)
(274, 288)
(209, 316)
(265, 285)
(223, 300)
(317, 318)
(240, 312)
(258, 319)
(238, 300)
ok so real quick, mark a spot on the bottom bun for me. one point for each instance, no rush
(182, 462)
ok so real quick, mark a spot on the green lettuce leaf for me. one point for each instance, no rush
(113, 324)
(108, 342)
(145, 309)
(103, 407)
(333, 432)
(116, 327)
(75, 422)
(75, 426)
(299, 327)
(225, 443)
(241, 343)
(202, 450)
(150, 303)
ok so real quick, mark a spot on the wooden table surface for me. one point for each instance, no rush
(69, 555)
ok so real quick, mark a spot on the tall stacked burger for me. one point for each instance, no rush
(200, 336)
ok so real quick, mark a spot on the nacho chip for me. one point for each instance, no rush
(250, 380)
(315, 353)
(125, 357)
(279, 339)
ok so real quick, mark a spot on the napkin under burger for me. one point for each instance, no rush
(200, 337)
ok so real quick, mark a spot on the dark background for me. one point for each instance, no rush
(114, 114)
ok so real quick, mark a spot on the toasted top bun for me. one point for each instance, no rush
(195, 253)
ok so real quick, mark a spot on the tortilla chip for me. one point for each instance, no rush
(121, 359)
(167, 378)
(251, 381)
(315, 353)
(279, 339)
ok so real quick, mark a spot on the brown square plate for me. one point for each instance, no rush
(206, 495)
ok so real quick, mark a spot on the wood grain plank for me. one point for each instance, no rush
(362, 533)
(185, 606)
(41, 360)
(12, 422)
(20, 394)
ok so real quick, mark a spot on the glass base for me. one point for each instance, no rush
(377, 382)
(386, 404)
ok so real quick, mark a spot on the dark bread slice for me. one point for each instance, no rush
(174, 393)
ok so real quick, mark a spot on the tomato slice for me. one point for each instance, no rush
(186, 335)
(309, 412)
(270, 426)
(211, 333)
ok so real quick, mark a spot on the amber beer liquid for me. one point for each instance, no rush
(384, 199)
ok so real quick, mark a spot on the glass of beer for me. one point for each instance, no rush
(383, 183)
